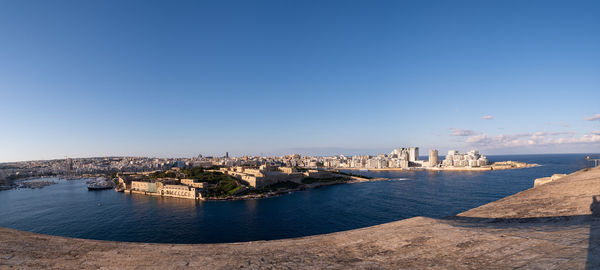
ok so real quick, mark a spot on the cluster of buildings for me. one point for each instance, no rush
(470, 159)
(167, 187)
(268, 174)
(405, 158)
(402, 158)
(89, 166)
(246, 176)
(399, 158)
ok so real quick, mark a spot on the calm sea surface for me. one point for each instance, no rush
(69, 209)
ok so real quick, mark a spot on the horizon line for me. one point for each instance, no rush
(92, 157)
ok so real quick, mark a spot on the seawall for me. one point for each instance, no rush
(553, 226)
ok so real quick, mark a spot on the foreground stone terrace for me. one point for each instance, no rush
(549, 227)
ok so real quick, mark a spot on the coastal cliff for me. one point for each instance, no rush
(552, 226)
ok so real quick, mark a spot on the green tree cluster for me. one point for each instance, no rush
(163, 174)
(310, 180)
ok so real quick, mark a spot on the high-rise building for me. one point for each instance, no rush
(226, 154)
(474, 153)
(433, 157)
(413, 153)
(69, 164)
(396, 153)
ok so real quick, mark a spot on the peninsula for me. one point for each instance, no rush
(408, 159)
(230, 183)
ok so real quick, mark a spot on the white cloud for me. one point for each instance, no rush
(525, 139)
(487, 117)
(462, 132)
(563, 124)
(594, 117)
(479, 139)
(544, 134)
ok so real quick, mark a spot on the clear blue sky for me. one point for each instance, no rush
(179, 78)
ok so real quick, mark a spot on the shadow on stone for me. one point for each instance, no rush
(592, 220)
(593, 256)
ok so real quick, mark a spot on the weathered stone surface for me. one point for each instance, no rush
(545, 180)
(548, 227)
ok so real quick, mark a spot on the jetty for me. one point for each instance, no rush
(555, 225)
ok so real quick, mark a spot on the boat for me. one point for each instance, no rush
(100, 183)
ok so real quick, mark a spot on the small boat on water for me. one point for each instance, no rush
(100, 183)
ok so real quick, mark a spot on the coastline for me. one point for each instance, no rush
(353, 179)
(547, 227)
(8, 184)
(491, 167)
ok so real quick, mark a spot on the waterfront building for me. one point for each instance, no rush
(398, 163)
(413, 154)
(144, 186)
(433, 157)
(168, 188)
(180, 191)
(332, 163)
(471, 159)
(401, 153)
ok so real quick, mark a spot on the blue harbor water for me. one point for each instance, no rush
(68, 209)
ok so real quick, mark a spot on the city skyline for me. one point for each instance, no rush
(315, 78)
(424, 156)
